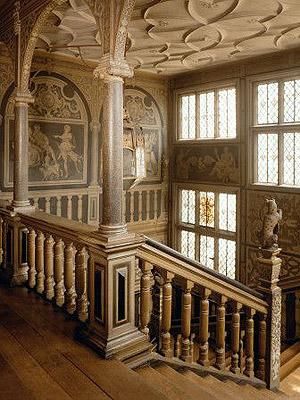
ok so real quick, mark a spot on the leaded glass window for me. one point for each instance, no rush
(276, 131)
(208, 114)
(207, 228)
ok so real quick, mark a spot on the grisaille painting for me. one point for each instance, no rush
(142, 136)
(57, 135)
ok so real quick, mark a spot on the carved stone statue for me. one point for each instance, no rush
(269, 234)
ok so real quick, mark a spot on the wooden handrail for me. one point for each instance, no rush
(172, 261)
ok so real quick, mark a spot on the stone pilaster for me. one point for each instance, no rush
(95, 156)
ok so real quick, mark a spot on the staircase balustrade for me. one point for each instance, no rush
(237, 330)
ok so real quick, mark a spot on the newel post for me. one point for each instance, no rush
(269, 265)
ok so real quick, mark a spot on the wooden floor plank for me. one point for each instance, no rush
(27, 371)
(70, 378)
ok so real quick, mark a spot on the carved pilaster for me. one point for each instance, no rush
(269, 267)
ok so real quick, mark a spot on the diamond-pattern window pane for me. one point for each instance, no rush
(207, 115)
(227, 257)
(207, 209)
(188, 117)
(227, 212)
(291, 168)
(267, 158)
(267, 103)
(188, 244)
(207, 251)
(292, 101)
(227, 113)
(188, 204)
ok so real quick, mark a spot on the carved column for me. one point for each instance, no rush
(95, 156)
(70, 294)
(269, 265)
(112, 148)
(81, 267)
(59, 288)
(21, 139)
(31, 258)
(49, 267)
(261, 365)
(39, 256)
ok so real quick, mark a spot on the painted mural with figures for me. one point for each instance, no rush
(142, 112)
(58, 129)
(218, 164)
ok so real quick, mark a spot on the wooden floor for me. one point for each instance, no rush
(291, 384)
(39, 359)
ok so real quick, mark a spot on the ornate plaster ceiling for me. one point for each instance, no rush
(173, 36)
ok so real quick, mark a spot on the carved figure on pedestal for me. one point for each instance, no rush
(269, 234)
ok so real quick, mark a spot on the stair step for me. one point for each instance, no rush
(291, 385)
(210, 386)
(289, 353)
(241, 391)
(181, 382)
(164, 385)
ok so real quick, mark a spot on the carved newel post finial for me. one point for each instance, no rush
(269, 265)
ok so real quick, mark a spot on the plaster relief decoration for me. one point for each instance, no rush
(173, 36)
(289, 239)
(218, 164)
(145, 135)
(58, 134)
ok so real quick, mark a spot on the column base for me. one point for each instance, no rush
(21, 207)
(108, 230)
(130, 348)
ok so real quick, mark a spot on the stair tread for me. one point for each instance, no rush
(210, 385)
(180, 381)
(289, 353)
(291, 384)
(163, 384)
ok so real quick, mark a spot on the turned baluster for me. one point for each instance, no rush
(186, 321)
(47, 205)
(70, 294)
(49, 267)
(35, 201)
(203, 329)
(249, 367)
(140, 207)
(59, 288)
(220, 333)
(31, 258)
(148, 205)
(39, 257)
(193, 335)
(131, 206)
(146, 269)
(155, 204)
(178, 346)
(69, 207)
(81, 267)
(80, 207)
(235, 338)
(167, 314)
(58, 206)
(262, 343)
(1, 240)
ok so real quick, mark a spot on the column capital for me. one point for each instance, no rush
(112, 69)
(95, 124)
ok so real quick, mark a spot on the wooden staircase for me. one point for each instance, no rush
(39, 360)
(183, 383)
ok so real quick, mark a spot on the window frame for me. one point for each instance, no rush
(281, 127)
(197, 90)
(215, 232)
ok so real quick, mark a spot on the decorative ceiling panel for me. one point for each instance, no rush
(173, 36)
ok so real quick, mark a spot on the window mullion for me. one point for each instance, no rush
(216, 113)
(197, 116)
(281, 102)
(280, 158)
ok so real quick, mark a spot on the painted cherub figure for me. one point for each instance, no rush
(269, 234)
